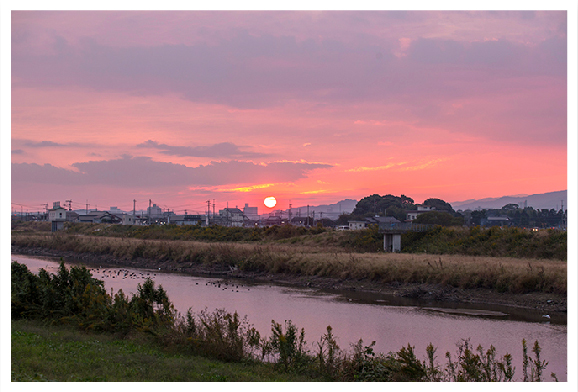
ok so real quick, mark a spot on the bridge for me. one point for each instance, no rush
(392, 233)
(403, 227)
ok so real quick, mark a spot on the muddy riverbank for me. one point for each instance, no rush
(545, 302)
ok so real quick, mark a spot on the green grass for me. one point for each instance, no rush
(42, 352)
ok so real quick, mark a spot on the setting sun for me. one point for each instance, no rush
(270, 202)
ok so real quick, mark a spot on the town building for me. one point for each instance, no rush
(496, 221)
(154, 211)
(99, 217)
(187, 220)
(231, 217)
(129, 219)
(357, 225)
(421, 208)
(57, 215)
(382, 221)
(252, 213)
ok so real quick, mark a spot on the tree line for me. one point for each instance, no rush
(443, 213)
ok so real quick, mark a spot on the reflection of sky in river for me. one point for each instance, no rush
(390, 326)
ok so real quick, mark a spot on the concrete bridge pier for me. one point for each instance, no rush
(392, 242)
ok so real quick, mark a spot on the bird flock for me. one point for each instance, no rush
(126, 274)
(225, 286)
(122, 274)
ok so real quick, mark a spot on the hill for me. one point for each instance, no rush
(550, 200)
(331, 211)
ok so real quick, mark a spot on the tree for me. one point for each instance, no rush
(438, 218)
(439, 205)
(397, 213)
(343, 219)
(379, 205)
(477, 217)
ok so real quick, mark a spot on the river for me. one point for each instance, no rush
(389, 321)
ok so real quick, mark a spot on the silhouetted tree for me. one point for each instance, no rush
(439, 205)
(439, 218)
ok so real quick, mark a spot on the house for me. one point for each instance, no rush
(99, 217)
(72, 216)
(421, 208)
(57, 215)
(251, 223)
(187, 220)
(127, 219)
(357, 225)
(496, 221)
(382, 220)
(232, 217)
(154, 211)
(273, 220)
(251, 212)
(301, 221)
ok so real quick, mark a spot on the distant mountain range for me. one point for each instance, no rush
(331, 211)
(550, 200)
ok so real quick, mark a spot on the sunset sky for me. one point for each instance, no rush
(310, 107)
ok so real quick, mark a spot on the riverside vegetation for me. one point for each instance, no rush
(504, 260)
(474, 241)
(72, 297)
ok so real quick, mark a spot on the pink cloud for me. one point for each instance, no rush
(465, 99)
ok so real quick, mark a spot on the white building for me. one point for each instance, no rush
(357, 225)
(186, 220)
(421, 208)
(251, 212)
(154, 211)
(57, 215)
(128, 219)
(232, 217)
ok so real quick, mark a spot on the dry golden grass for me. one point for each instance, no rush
(504, 274)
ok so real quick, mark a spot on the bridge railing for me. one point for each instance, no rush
(404, 226)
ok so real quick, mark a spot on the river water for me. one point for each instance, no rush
(389, 321)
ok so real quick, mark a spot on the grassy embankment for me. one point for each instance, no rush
(146, 340)
(46, 352)
(329, 254)
(475, 241)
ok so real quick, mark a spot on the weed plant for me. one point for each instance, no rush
(493, 241)
(74, 297)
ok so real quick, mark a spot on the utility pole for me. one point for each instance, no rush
(307, 215)
(289, 211)
(133, 208)
(213, 208)
(149, 212)
(69, 205)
